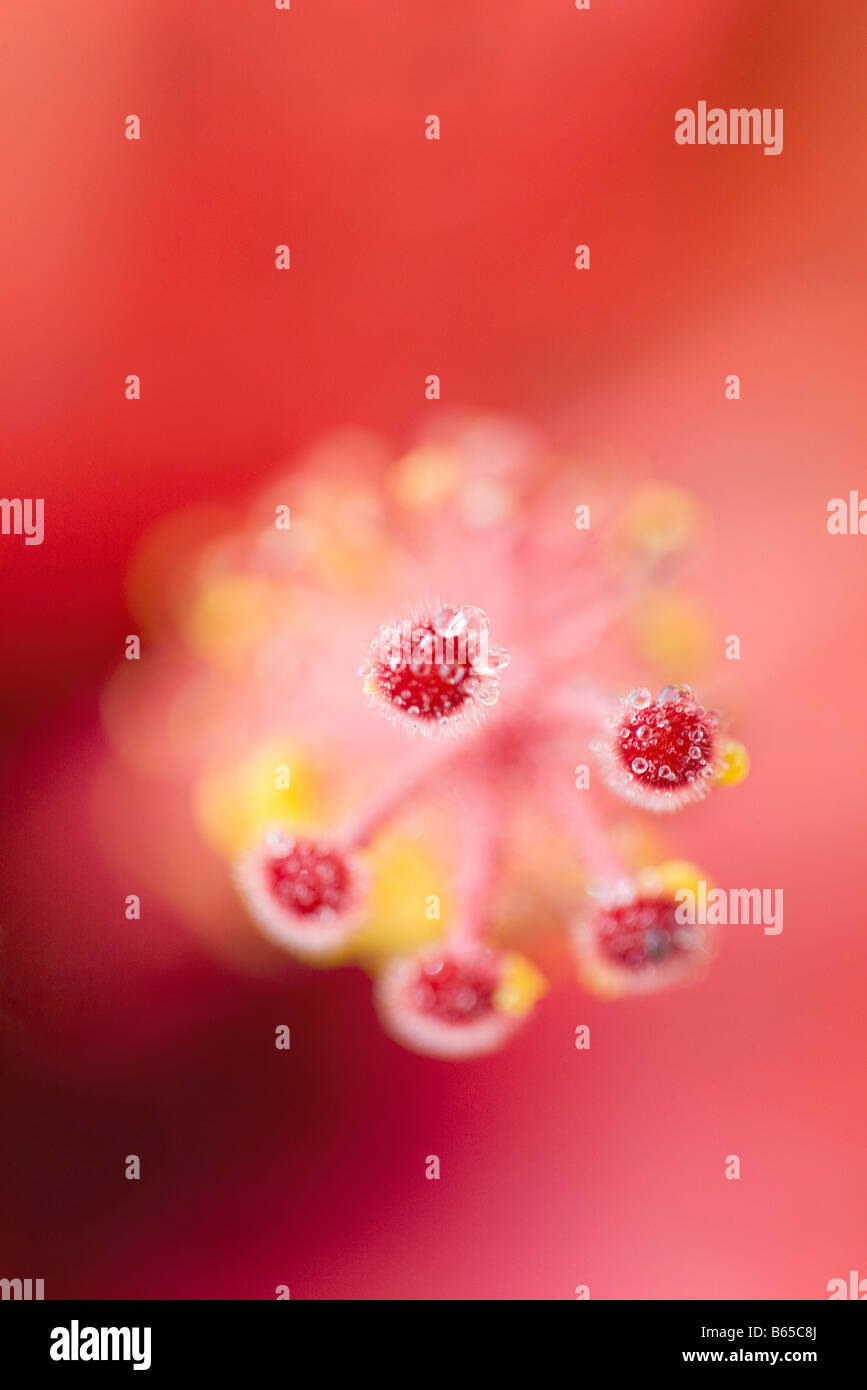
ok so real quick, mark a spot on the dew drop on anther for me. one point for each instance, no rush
(673, 693)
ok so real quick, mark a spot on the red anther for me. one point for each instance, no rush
(662, 753)
(425, 689)
(311, 880)
(642, 933)
(444, 1002)
(304, 894)
(435, 670)
(637, 943)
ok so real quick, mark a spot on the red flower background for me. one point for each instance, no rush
(409, 257)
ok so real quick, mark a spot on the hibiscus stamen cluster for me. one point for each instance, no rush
(435, 672)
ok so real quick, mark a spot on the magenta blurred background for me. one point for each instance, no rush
(559, 1167)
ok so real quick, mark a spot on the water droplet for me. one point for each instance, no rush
(665, 773)
(452, 675)
(640, 697)
(465, 999)
(673, 693)
(279, 842)
(639, 765)
(498, 658)
(467, 619)
(488, 694)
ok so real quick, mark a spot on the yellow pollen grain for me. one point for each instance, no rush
(735, 764)
(672, 875)
(520, 987)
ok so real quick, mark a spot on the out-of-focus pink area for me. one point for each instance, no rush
(559, 1167)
